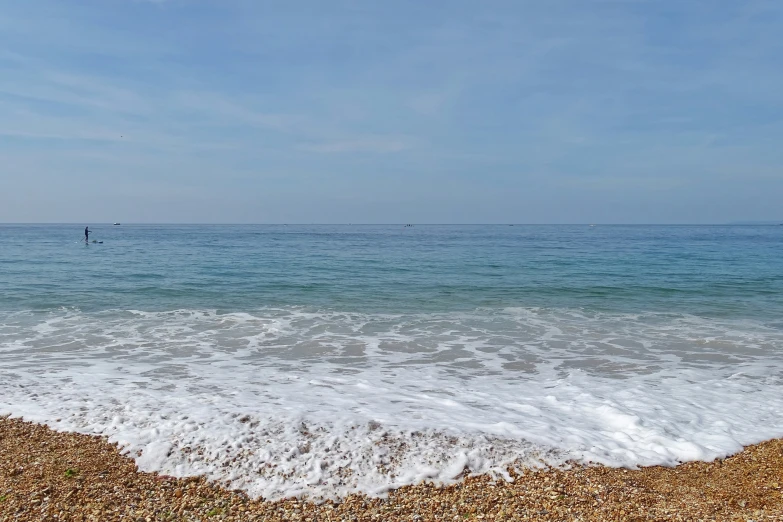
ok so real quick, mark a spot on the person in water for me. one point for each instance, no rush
(86, 234)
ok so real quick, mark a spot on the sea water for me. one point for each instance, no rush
(323, 360)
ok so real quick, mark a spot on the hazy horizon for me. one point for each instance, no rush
(401, 223)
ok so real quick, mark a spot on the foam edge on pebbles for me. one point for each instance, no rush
(48, 475)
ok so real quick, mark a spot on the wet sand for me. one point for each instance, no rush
(47, 475)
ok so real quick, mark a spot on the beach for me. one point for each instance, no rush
(392, 372)
(48, 475)
(391, 261)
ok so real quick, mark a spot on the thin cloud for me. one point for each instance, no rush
(372, 145)
(522, 95)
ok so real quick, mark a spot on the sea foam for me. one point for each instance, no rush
(290, 401)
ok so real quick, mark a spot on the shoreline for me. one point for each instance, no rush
(49, 475)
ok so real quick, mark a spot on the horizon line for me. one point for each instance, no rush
(78, 223)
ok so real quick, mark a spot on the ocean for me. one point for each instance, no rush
(330, 359)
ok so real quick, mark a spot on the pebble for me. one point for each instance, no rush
(106, 486)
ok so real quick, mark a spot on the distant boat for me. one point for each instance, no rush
(116, 223)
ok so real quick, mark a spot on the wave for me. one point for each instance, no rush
(291, 401)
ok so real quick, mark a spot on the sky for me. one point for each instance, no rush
(360, 111)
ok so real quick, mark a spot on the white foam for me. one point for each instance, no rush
(289, 402)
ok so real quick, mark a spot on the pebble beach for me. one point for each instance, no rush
(391, 261)
(423, 373)
(50, 476)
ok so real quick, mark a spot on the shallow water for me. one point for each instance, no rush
(278, 357)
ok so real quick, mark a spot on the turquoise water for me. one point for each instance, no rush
(276, 357)
(712, 271)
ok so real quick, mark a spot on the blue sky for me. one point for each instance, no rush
(601, 111)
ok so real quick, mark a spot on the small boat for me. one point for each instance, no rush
(116, 223)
